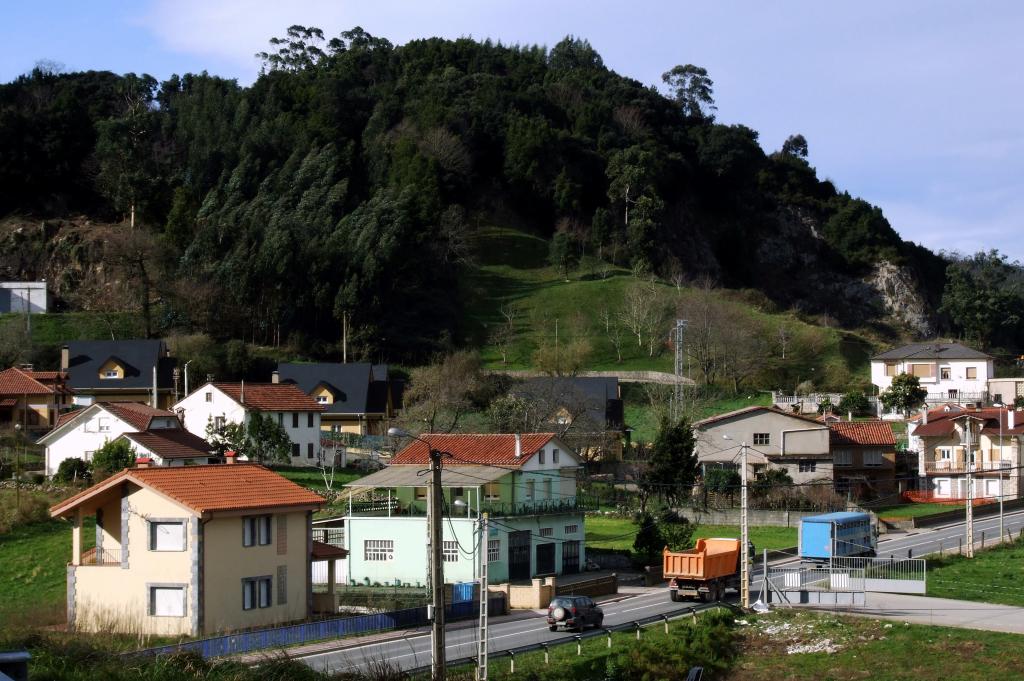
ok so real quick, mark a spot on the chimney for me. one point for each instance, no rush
(65, 358)
(275, 376)
(154, 387)
(924, 419)
(1011, 419)
(519, 446)
(143, 462)
(229, 457)
(241, 397)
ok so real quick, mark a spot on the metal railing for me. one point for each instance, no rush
(108, 557)
(335, 536)
(379, 507)
(893, 575)
(807, 578)
(959, 466)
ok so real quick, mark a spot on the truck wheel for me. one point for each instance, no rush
(674, 595)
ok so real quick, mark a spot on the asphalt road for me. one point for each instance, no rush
(414, 650)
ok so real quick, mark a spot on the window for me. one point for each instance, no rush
(103, 424)
(256, 530)
(321, 399)
(890, 369)
(944, 373)
(493, 550)
(309, 420)
(166, 535)
(762, 438)
(492, 492)
(808, 466)
(540, 457)
(530, 484)
(457, 492)
(972, 372)
(547, 488)
(378, 549)
(88, 456)
(295, 419)
(450, 551)
(167, 601)
(280, 418)
(547, 532)
(873, 458)
(554, 456)
(922, 370)
(256, 592)
(209, 397)
(110, 373)
(421, 493)
(296, 450)
(843, 457)
(945, 453)
(572, 529)
(218, 423)
(309, 450)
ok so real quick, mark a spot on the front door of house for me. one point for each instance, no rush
(545, 559)
(519, 555)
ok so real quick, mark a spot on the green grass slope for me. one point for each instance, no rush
(511, 268)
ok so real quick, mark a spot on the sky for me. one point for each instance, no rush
(916, 106)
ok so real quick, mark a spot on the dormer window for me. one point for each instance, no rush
(321, 399)
(110, 373)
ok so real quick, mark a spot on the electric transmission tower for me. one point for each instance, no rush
(676, 336)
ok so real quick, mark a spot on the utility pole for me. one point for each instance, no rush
(676, 336)
(481, 654)
(969, 460)
(1002, 533)
(435, 523)
(744, 533)
(344, 337)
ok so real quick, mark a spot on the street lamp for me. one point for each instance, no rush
(436, 562)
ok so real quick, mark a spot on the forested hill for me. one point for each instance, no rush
(350, 177)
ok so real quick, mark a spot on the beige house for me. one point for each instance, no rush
(777, 439)
(190, 550)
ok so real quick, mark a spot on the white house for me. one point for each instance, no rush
(950, 372)
(23, 296)
(80, 433)
(219, 404)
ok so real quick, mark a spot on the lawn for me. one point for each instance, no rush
(861, 648)
(313, 478)
(606, 532)
(33, 570)
(904, 511)
(995, 575)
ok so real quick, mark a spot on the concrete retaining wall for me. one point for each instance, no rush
(956, 514)
(731, 516)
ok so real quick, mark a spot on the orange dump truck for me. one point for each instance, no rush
(704, 571)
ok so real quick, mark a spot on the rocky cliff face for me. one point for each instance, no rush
(900, 295)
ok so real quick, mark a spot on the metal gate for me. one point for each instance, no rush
(519, 555)
(570, 557)
(545, 559)
(889, 575)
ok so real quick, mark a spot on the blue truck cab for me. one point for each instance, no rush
(847, 533)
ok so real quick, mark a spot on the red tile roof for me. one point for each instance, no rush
(862, 433)
(218, 487)
(136, 414)
(270, 396)
(995, 420)
(493, 450)
(65, 417)
(170, 443)
(14, 381)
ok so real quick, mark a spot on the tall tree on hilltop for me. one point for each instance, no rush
(693, 90)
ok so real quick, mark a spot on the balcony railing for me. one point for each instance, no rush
(108, 557)
(947, 466)
(392, 507)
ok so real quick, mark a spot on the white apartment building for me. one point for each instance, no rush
(950, 372)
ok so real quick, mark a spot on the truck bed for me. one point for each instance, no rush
(710, 559)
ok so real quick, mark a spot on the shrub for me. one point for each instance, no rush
(856, 403)
(711, 644)
(722, 480)
(649, 541)
(112, 457)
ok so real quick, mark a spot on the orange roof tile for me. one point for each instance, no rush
(136, 414)
(172, 443)
(14, 381)
(217, 487)
(270, 396)
(874, 433)
(486, 450)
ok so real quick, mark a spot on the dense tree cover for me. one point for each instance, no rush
(343, 180)
(984, 297)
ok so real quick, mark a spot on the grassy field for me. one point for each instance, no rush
(902, 511)
(605, 532)
(33, 570)
(994, 575)
(860, 648)
(311, 477)
(511, 270)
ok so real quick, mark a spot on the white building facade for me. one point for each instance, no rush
(218, 404)
(23, 296)
(950, 372)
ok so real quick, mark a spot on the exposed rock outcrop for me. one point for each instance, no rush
(901, 296)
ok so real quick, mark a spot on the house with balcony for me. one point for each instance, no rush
(119, 371)
(525, 483)
(950, 372)
(950, 443)
(217, 404)
(32, 399)
(863, 457)
(189, 551)
(775, 438)
(79, 433)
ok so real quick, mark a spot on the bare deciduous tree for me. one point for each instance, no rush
(439, 394)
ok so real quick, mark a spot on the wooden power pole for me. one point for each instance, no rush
(435, 523)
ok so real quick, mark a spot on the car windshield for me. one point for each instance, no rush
(561, 603)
